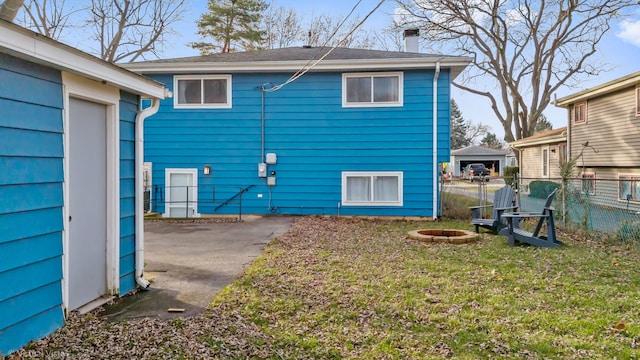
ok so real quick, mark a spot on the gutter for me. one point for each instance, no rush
(436, 214)
(139, 193)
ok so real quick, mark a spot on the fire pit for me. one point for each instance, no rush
(452, 236)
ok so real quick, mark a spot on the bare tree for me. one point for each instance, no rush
(325, 30)
(130, 29)
(475, 131)
(529, 48)
(48, 17)
(9, 9)
(390, 38)
(282, 27)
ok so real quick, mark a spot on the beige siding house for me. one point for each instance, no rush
(540, 155)
(604, 134)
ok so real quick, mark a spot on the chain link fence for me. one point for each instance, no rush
(593, 209)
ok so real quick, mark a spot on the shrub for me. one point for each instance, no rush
(542, 189)
(628, 232)
(509, 172)
(456, 206)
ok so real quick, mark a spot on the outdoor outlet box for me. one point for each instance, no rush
(271, 181)
(262, 170)
(272, 158)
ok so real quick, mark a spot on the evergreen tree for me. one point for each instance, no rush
(542, 124)
(459, 137)
(491, 141)
(232, 25)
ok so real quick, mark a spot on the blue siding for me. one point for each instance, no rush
(314, 137)
(128, 109)
(31, 158)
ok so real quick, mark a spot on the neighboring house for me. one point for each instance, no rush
(362, 133)
(540, 155)
(604, 135)
(70, 224)
(493, 159)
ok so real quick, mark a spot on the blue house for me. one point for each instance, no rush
(300, 131)
(71, 194)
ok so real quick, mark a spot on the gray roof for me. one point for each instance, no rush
(296, 54)
(294, 59)
(475, 150)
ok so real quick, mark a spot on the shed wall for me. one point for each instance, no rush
(31, 159)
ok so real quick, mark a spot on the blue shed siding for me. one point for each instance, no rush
(128, 110)
(314, 137)
(31, 158)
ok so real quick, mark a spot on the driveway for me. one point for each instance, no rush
(189, 263)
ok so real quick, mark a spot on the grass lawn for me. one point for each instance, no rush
(339, 288)
(353, 288)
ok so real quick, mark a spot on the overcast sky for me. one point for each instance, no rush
(620, 48)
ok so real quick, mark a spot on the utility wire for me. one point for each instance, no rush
(308, 67)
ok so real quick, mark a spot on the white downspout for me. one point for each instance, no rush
(435, 141)
(139, 184)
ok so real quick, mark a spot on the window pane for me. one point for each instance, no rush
(215, 91)
(385, 188)
(358, 188)
(189, 92)
(625, 189)
(635, 189)
(385, 88)
(359, 89)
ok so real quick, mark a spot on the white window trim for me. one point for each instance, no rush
(167, 190)
(227, 105)
(400, 101)
(637, 93)
(629, 177)
(575, 122)
(591, 176)
(346, 174)
(545, 161)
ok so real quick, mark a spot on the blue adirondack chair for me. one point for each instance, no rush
(502, 202)
(516, 235)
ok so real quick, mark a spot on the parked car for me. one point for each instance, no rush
(475, 172)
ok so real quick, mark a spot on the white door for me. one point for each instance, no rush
(182, 193)
(87, 250)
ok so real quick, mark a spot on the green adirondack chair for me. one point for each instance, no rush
(516, 235)
(502, 202)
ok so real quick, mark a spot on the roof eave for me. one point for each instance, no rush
(457, 65)
(540, 141)
(28, 45)
(608, 87)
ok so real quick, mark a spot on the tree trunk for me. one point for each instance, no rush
(9, 9)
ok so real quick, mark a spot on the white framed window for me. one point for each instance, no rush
(589, 183)
(637, 100)
(202, 91)
(629, 187)
(545, 161)
(372, 89)
(363, 188)
(580, 113)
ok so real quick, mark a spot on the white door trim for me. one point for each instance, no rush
(167, 189)
(85, 89)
